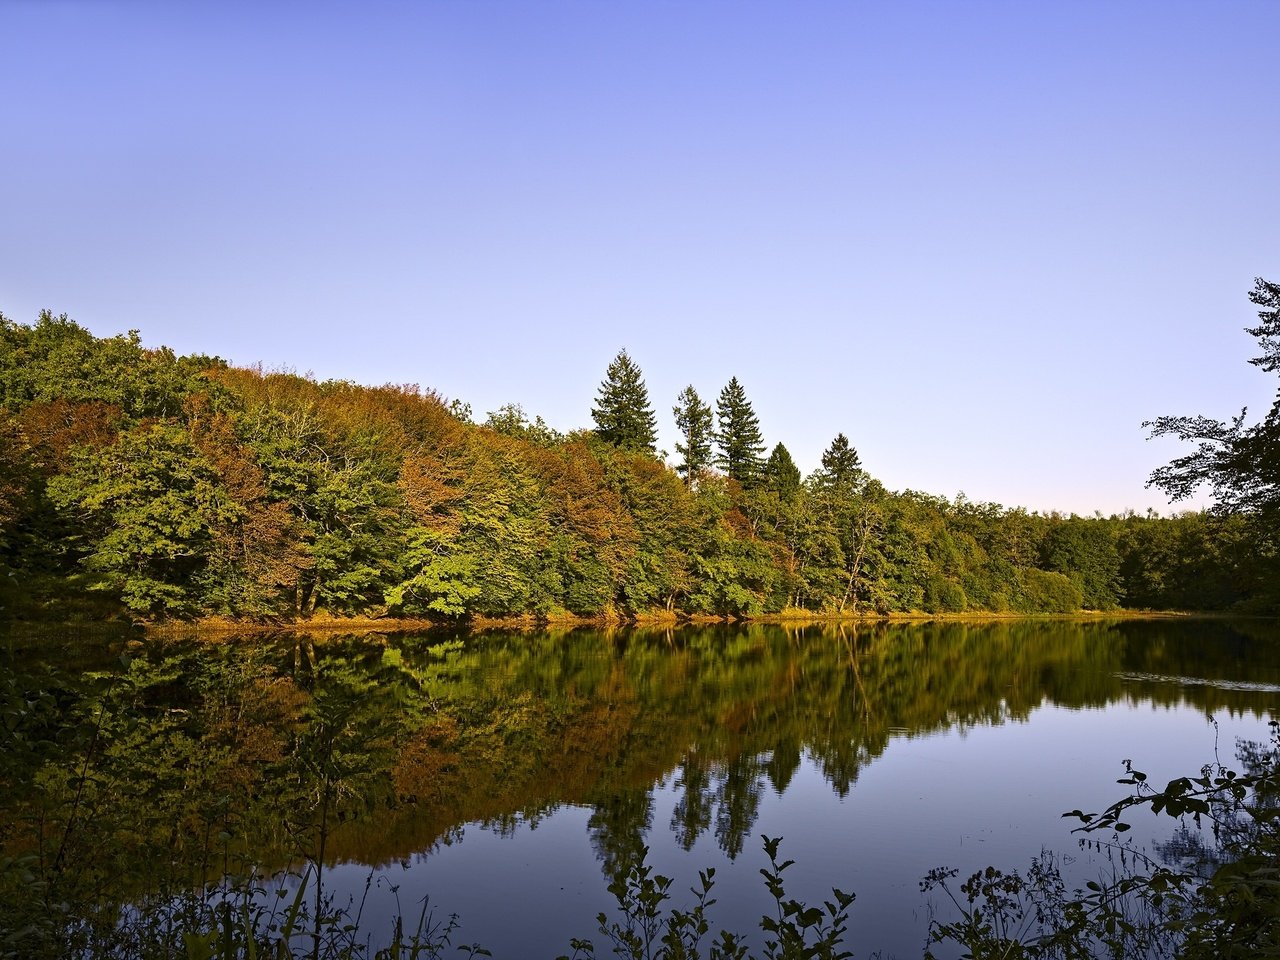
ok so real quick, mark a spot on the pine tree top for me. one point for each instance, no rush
(697, 430)
(841, 465)
(623, 415)
(738, 436)
(781, 473)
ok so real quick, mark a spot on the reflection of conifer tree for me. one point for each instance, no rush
(618, 827)
(782, 765)
(692, 814)
(739, 805)
(842, 762)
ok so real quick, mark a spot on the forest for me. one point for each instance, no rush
(138, 483)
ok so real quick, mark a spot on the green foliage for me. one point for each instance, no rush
(781, 475)
(16, 490)
(1043, 591)
(841, 467)
(648, 929)
(944, 596)
(1194, 561)
(441, 582)
(510, 421)
(738, 434)
(1226, 907)
(136, 482)
(56, 360)
(732, 574)
(622, 413)
(1086, 553)
(697, 431)
(1240, 463)
(1235, 910)
(149, 505)
(797, 930)
(1266, 295)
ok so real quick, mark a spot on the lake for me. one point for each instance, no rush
(509, 777)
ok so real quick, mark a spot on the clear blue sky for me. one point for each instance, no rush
(984, 240)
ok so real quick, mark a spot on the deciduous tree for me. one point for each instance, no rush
(1239, 462)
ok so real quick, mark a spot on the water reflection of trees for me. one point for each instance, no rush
(618, 828)
(374, 748)
(729, 714)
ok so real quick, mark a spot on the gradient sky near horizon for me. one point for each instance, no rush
(985, 240)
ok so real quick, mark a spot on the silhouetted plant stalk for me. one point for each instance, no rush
(649, 928)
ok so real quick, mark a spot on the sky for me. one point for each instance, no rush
(984, 240)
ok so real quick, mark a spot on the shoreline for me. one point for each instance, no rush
(215, 627)
(532, 622)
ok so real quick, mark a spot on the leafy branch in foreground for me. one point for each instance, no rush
(1241, 463)
(1235, 911)
(1033, 917)
(648, 930)
(1225, 906)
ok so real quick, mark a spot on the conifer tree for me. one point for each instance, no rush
(693, 420)
(622, 413)
(841, 465)
(738, 436)
(781, 473)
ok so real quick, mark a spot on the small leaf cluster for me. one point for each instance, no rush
(648, 929)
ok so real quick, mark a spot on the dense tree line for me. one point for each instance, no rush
(181, 487)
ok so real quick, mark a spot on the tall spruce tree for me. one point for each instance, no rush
(738, 436)
(622, 413)
(697, 429)
(781, 473)
(841, 465)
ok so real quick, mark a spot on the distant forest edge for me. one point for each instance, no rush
(137, 482)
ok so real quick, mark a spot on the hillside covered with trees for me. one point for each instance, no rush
(139, 481)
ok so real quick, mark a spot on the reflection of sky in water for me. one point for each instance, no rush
(987, 795)
(1199, 682)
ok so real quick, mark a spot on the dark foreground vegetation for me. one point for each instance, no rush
(137, 481)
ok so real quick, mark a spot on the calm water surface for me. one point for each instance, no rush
(509, 777)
